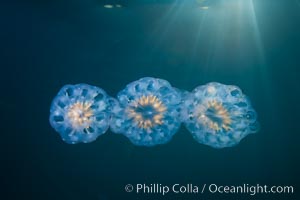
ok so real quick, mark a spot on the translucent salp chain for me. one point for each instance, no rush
(149, 112)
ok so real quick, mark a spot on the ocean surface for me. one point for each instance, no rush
(254, 44)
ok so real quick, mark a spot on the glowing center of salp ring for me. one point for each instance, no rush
(147, 111)
(215, 116)
(79, 114)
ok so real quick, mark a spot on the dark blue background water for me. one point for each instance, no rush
(46, 44)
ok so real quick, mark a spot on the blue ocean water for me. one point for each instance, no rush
(47, 44)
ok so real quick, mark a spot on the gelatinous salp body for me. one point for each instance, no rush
(218, 115)
(80, 113)
(147, 112)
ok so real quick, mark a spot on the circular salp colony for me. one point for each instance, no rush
(218, 115)
(147, 112)
(80, 113)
